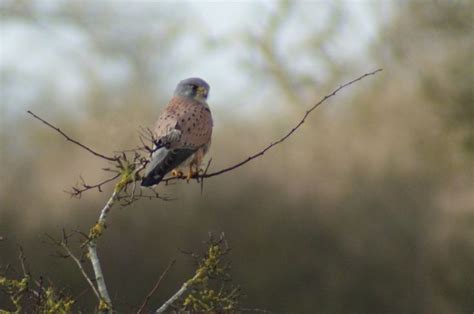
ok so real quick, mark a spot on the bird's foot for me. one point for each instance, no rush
(176, 173)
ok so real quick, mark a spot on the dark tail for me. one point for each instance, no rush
(149, 181)
(162, 163)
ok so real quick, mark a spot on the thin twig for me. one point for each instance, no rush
(282, 139)
(76, 191)
(243, 309)
(79, 265)
(26, 272)
(128, 198)
(22, 259)
(204, 173)
(157, 285)
(73, 140)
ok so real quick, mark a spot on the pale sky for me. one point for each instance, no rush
(45, 57)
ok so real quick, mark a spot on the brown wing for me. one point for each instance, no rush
(189, 116)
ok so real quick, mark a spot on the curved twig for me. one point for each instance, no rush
(282, 139)
(155, 287)
(73, 140)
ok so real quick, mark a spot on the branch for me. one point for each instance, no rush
(95, 232)
(79, 265)
(107, 207)
(211, 266)
(63, 244)
(22, 258)
(140, 162)
(282, 139)
(126, 177)
(157, 285)
(179, 293)
(129, 175)
(243, 309)
(77, 191)
(99, 276)
(73, 140)
(127, 198)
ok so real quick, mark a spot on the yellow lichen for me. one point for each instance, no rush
(127, 176)
(210, 272)
(96, 231)
(103, 306)
(49, 302)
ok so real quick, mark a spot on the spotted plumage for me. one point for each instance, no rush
(183, 132)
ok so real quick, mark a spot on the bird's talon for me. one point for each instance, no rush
(176, 173)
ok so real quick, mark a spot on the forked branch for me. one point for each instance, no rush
(283, 138)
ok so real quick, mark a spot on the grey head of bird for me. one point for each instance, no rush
(194, 88)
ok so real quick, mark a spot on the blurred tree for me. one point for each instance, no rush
(369, 210)
(432, 42)
(274, 57)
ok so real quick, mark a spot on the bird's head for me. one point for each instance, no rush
(194, 88)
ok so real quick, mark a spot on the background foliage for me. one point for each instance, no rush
(367, 209)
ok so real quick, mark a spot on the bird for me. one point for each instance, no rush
(182, 133)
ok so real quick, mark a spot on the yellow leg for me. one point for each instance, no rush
(191, 172)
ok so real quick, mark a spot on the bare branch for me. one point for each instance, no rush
(22, 259)
(126, 198)
(145, 134)
(79, 265)
(283, 138)
(63, 244)
(107, 207)
(92, 248)
(27, 273)
(298, 125)
(204, 173)
(178, 294)
(243, 309)
(73, 140)
(99, 276)
(83, 187)
(128, 173)
(209, 266)
(157, 285)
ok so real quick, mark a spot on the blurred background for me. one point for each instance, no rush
(368, 208)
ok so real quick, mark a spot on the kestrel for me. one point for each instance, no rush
(183, 132)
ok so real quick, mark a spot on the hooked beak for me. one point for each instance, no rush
(202, 92)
